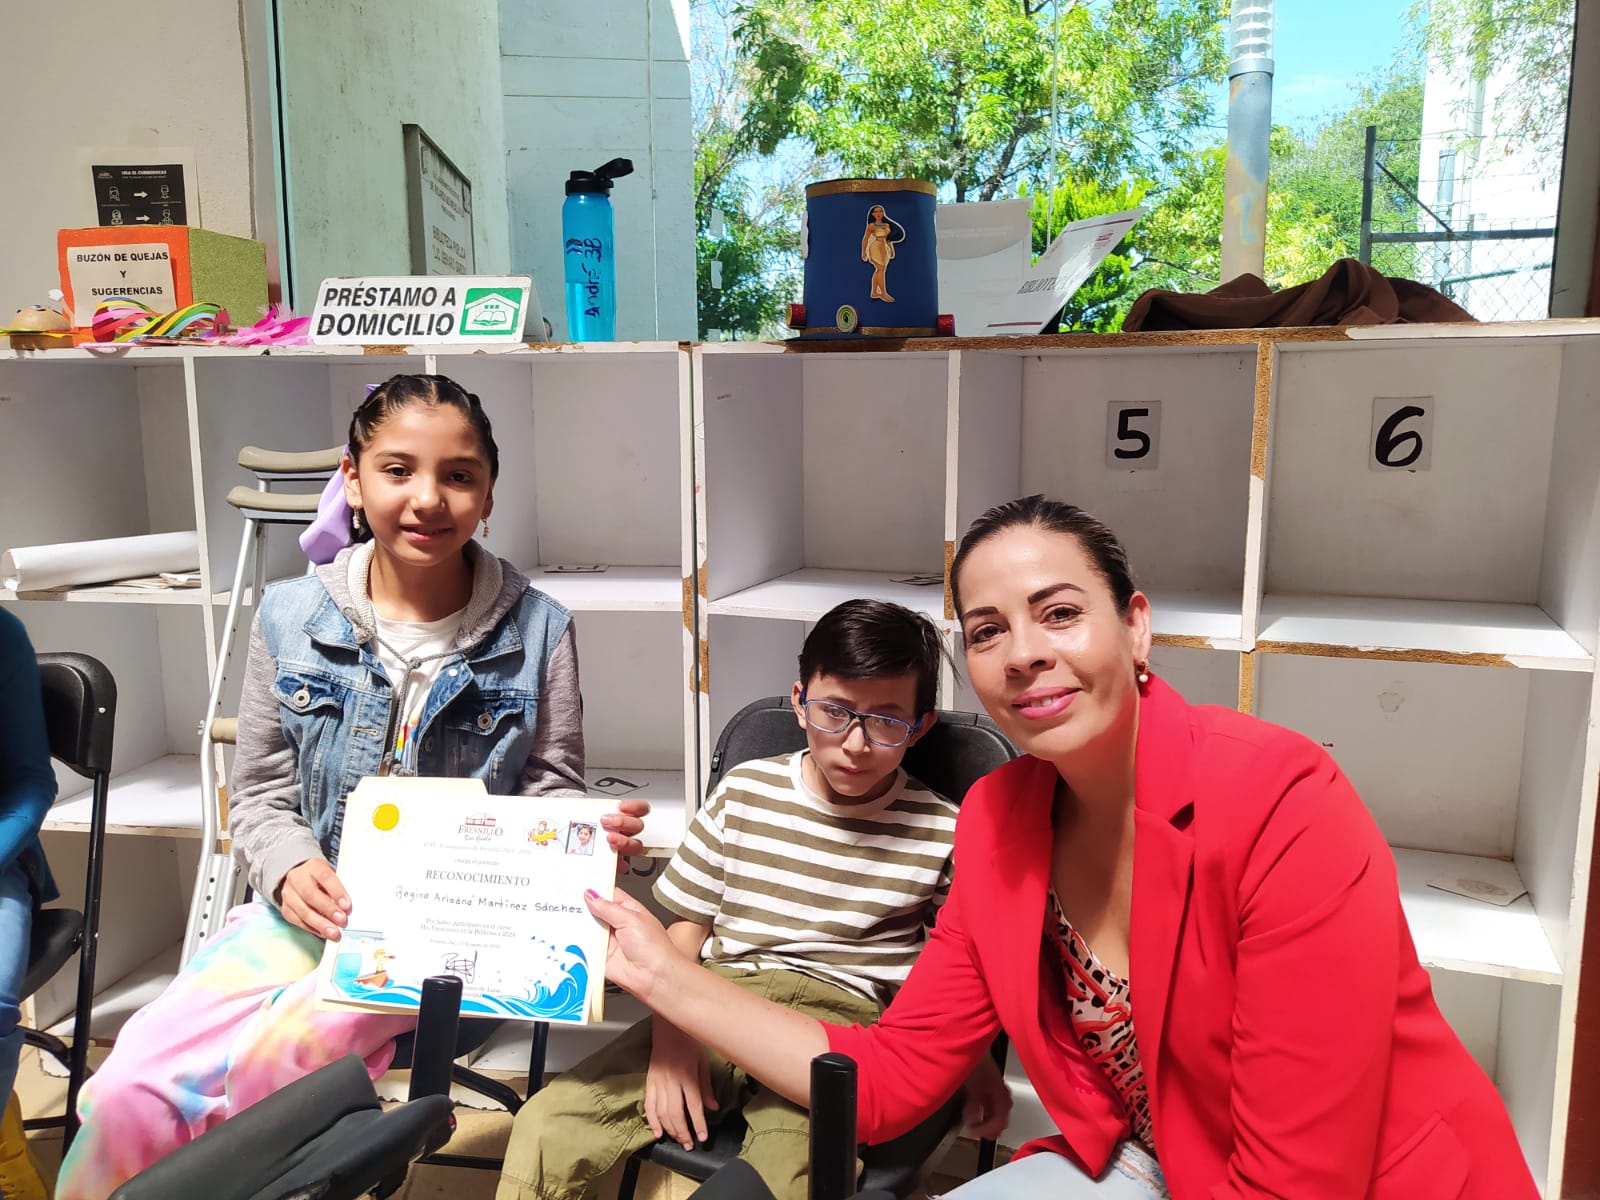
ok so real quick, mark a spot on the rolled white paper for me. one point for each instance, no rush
(68, 564)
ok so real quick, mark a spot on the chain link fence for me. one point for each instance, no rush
(1474, 218)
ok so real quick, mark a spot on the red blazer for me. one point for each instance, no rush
(1290, 1040)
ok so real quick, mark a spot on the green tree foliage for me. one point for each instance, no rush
(1103, 300)
(960, 91)
(1529, 42)
(1313, 196)
(757, 224)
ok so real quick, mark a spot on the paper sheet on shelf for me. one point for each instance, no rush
(984, 247)
(1072, 257)
(71, 564)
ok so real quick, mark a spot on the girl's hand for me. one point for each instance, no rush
(313, 899)
(624, 826)
(639, 955)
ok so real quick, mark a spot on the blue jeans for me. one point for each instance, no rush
(16, 921)
(1133, 1175)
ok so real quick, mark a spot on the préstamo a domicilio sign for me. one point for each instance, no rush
(432, 310)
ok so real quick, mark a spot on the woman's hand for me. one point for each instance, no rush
(624, 826)
(677, 1086)
(639, 954)
(312, 898)
(988, 1103)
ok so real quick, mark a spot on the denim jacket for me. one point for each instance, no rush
(315, 707)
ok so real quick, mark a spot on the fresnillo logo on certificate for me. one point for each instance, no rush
(445, 879)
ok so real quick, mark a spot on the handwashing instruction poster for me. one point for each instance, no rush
(445, 879)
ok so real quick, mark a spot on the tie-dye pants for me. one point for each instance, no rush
(239, 1022)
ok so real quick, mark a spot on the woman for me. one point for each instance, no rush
(1183, 917)
(877, 247)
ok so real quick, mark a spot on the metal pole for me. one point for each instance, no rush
(1366, 193)
(1244, 209)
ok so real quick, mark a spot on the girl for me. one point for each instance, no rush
(1184, 918)
(414, 651)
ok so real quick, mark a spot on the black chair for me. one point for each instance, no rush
(426, 1052)
(80, 712)
(833, 1151)
(960, 749)
(325, 1136)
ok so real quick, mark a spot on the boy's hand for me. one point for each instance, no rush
(677, 1087)
(624, 826)
(312, 898)
(988, 1103)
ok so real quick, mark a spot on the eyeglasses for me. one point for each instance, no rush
(827, 717)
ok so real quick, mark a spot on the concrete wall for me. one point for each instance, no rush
(584, 83)
(352, 74)
(163, 73)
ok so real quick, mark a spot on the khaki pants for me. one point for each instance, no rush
(587, 1121)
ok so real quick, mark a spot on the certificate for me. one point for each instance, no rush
(445, 879)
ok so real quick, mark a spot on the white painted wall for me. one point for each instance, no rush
(351, 75)
(584, 83)
(161, 73)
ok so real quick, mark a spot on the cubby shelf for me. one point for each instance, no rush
(160, 798)
(806, 594)
(118, 999)
(1297, 568)
(1474, 634)
(616, 589)
(110, 593)
(1457, 933)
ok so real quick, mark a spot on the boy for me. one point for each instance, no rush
(810, 878)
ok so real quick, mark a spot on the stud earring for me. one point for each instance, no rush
(1143, 670)
(485, 532)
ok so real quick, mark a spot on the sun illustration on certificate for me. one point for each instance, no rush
(386, 817)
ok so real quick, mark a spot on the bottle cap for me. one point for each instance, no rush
(599, 179)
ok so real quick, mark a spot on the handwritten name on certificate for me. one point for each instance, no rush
(445, 879)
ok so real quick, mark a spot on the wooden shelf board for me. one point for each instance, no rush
(1448, 631)
(616, 589)
(158, 799)
(117, 1000)
(663, 828)
(111, 593)
(806, 594)
(1455, 933)
(1206, 620)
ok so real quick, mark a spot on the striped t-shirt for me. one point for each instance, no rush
(789, 881)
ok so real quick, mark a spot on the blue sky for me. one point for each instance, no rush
(1323, 48)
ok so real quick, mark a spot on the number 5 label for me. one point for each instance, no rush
(1133, 435)
(1402, 434)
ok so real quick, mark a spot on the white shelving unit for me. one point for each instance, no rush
(1432, 620)
(1433, 624)
(595, 448)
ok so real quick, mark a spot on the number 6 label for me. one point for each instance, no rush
(1402, 434)
(1133, 435)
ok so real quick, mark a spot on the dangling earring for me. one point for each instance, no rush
(355, 521)
(1143, 669)
(485, 532)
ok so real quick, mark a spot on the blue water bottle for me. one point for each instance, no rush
(589, 244)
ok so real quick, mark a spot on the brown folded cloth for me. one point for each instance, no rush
(1348, 293)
